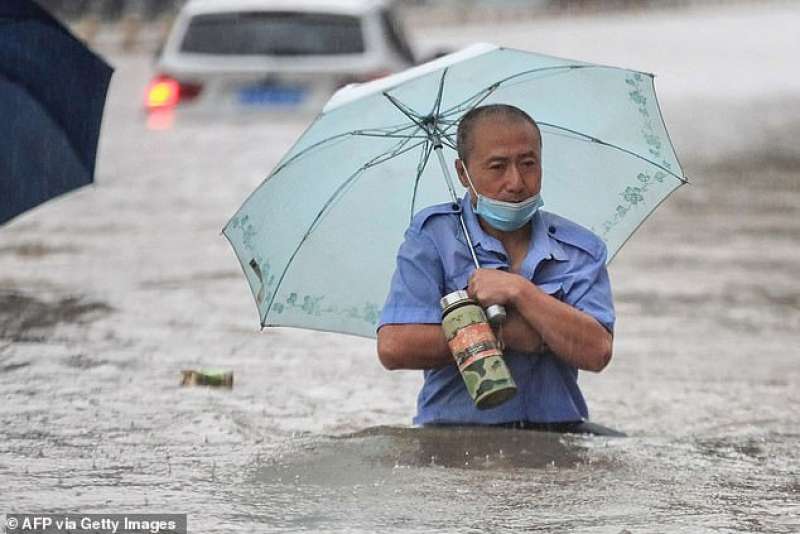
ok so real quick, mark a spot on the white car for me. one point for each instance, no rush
(242, 56)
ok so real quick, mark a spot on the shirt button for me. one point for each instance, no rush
(552, 229)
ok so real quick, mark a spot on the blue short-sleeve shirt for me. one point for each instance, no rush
(564, 260)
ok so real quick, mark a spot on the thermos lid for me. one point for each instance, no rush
(453, 298)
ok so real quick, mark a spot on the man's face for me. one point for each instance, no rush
(505, 160)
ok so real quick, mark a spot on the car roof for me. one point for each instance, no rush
(330, 6)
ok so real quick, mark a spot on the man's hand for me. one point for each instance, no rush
(493, 286)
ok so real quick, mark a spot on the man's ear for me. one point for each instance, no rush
(462, 175)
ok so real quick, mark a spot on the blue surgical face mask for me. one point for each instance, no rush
(505, 216)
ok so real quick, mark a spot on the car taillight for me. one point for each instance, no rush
(165, 92)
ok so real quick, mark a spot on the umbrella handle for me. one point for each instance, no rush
(496, 314)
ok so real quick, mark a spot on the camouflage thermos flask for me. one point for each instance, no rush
(476, 351)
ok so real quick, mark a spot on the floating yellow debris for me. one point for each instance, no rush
(206, 377)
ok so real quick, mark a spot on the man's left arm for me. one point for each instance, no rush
(577, 337)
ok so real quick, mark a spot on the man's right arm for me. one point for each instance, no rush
(410, 334)
(413, 346)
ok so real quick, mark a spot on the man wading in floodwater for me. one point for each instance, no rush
(548, 272)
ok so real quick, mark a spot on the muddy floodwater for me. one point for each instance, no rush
(108, 293)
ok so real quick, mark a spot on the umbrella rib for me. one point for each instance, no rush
(470, 103)
(477, 98)
(390, 133)
(592, 139)
(467, 105)
(391, 129)
(423, 162)
(567, 68)
(405, 110)
(447, 140)
(308, 149)
(554, 72)
(381, 158)
(398, 150)
(389, 136)
(437, 105)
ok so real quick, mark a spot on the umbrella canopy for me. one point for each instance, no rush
(52, 93)
(317, 240)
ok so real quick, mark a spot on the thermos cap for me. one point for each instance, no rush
(453, 298)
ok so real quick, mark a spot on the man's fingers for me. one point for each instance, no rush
(472, 292)
(479, 288)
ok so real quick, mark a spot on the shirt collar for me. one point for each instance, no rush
(541, 247)
(476, 232)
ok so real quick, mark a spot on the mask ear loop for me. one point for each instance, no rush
(471, 185)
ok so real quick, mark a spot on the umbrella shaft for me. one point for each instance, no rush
(469, 242)
(445, 171)
(449, 180)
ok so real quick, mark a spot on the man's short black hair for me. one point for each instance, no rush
(467, 124)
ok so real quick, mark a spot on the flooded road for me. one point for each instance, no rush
(106, 294)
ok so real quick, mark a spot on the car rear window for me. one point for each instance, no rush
(274, 34)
